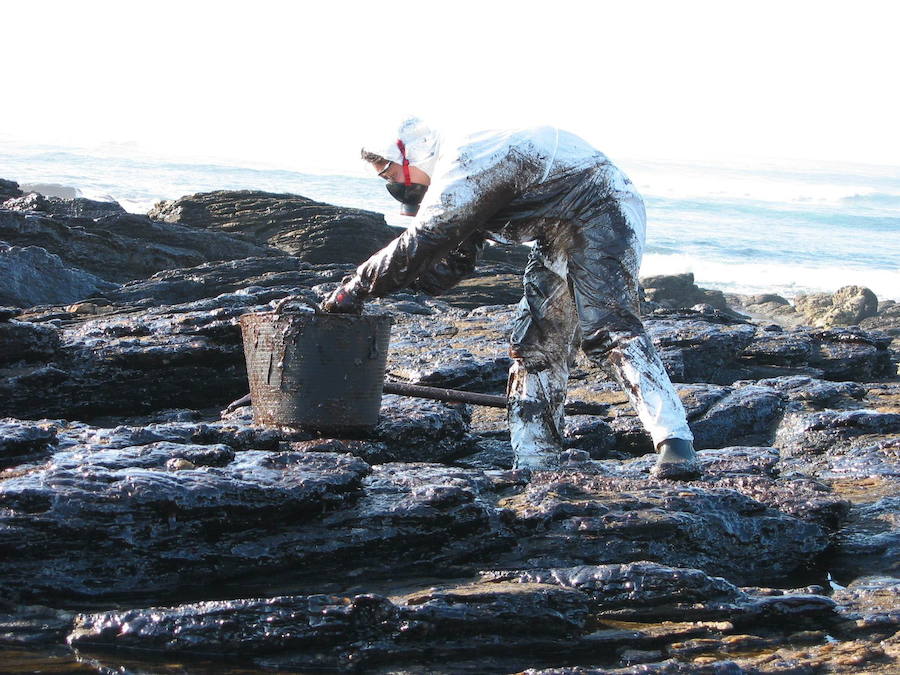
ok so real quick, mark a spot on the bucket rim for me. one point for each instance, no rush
(331, 315)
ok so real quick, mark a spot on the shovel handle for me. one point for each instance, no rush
(457, 396)
(489, 400)
(447, 395)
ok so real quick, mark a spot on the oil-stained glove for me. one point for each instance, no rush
(345, 299)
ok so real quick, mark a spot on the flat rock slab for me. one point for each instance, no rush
(188, 354)
(547, 614)
(871, 603)
(163, 526)
(839, 354)
(805, 652)
(754, 472)
(174, 512)
(731, 526)
(408, 430)
(455, 349)
(59, 206)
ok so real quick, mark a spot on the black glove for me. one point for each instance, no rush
(345, 299)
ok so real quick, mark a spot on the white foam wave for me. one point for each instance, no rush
(702, 182)
(785, 279)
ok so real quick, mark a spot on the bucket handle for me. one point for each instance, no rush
(279, 307)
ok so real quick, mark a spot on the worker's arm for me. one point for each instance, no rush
(452, 268)
(464, 199)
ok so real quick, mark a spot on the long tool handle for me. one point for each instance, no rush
(457, 396)
(489, 400)
(448, 395)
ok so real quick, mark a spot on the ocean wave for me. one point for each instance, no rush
(873, 187)
(875, 198)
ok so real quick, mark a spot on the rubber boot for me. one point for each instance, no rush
(676, 461)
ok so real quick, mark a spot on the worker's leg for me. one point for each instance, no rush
(603, 268)
(540, 347)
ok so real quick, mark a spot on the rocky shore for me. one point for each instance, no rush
(144, 529)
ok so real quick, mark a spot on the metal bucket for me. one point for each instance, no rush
(323, 372)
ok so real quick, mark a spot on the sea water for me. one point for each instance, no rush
(761, 227)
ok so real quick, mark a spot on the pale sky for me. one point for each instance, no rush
(300, 85)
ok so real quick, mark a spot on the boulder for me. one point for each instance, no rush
(123, 247)
(869, 541)
(9, 189)
(814, 394)
(812, 440)
(846, 307)
(747, 415)
(32, 276)
(312, 231)
(812, 305)
(678, 291)
(718, 417)
(852, 304)
(765, 307)
(851, 354)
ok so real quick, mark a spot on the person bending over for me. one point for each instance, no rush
(587, 224)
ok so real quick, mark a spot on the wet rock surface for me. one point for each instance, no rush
(510, 614)
(122, 247)
(312, 231)
(141, 525)
(26, 341)
(31, 276)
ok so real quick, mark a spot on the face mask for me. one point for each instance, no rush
(409, 195)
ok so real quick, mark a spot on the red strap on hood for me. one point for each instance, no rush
(402, 146)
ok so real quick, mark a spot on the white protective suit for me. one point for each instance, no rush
(587, 222)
